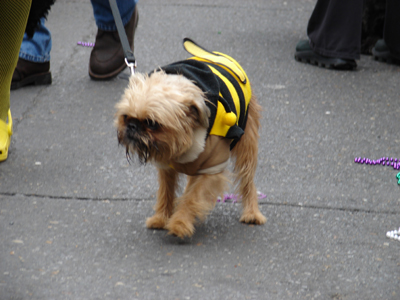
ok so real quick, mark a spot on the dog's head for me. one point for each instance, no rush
(159, 117)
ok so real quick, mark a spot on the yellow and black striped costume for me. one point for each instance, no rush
(225, 85)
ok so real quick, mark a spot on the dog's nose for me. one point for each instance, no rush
(132, 125)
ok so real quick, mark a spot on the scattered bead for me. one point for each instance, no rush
(394, 234)
(235, 198)
(85, 44)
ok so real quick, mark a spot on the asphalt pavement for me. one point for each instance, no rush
(73, 210)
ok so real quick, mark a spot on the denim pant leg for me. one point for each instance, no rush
(37, 49)
(103, 15)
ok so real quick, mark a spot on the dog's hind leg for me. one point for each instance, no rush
(168, 181)
(246, 152)
(197, 201)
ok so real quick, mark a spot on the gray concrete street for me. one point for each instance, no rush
(73, 210)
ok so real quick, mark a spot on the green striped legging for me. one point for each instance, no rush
(13, 18)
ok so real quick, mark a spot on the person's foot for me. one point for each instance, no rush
(381, 52)
(5, 136)
(107, 58)
(304, 53)
(30, 73)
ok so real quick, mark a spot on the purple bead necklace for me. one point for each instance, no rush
(384, 161)
(390, 162)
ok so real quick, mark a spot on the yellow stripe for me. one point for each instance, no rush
(231, 88)
(222, 129)
(220, 59)
(246, 87)
(219, 127)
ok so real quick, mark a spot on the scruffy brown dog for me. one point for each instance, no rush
(189, 117)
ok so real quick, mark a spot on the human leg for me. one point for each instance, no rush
(37, 49)
(388, 49)
(334, 32)
(13, 18)
(107, 57)
(334, 28)
(33, 65)
(104, 17)
(392, 27)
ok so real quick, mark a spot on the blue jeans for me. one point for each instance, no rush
(37, 49)
(103, 15)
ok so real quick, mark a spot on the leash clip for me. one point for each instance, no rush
(131, 66)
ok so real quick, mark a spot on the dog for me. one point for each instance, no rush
(189, 117)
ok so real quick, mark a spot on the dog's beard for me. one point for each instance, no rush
(140, 148)
(143, 146)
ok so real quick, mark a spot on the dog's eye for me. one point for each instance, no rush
(152, 125)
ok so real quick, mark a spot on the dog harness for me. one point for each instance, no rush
(225, 85)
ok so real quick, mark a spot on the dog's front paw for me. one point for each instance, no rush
(253, 218)
(158, 221)
(180, 227)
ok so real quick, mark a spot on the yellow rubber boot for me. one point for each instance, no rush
(5, 137)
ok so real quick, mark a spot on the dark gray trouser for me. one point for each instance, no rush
(334, 28)
(391, 32)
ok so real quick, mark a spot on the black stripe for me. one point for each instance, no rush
(227, 95)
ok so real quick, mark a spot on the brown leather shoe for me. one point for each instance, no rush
(30, 73)
(107, 58)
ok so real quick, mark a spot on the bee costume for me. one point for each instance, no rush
(225, 85)
(228, 92)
